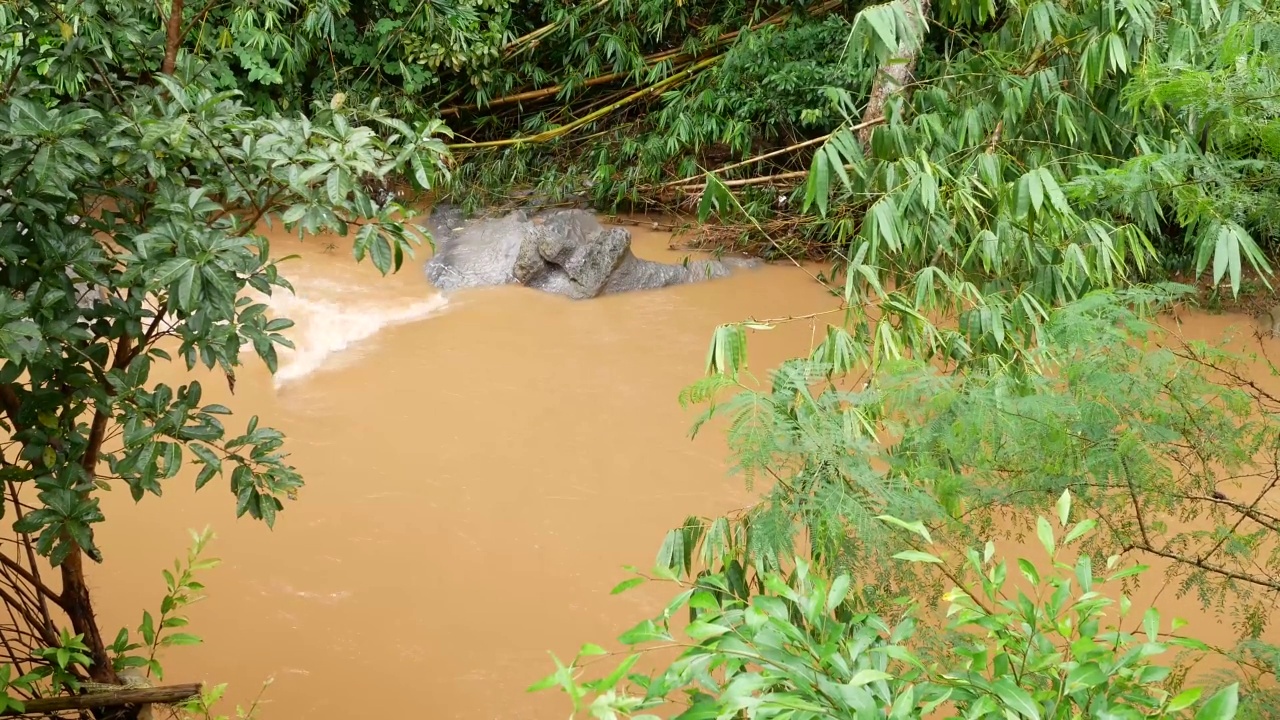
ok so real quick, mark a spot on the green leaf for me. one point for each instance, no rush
(1045, 534)
(1079, 530)
(181, 639)
(714, 197)
(1029, 571)
(1184, 700)
(817, 190)
(867, 676)
(881, 20)
(1085, 676)
(611, 680)
(1016, 699)
(591, 650)
(1034, 189)
(645, 631)
(1064, 508)
(839, 590)
(206, 474)
(701, 630)
(626, 585)
(545, 683)
(915, 526)
(917, 556)
(1128, 572)
(1151, 624)
(147, 629)
(1222, 706)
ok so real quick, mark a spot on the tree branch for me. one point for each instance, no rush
(1207, 567)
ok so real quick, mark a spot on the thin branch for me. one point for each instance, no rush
(44, 591)
(1207, 567)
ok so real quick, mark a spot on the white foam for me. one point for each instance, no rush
(331, 318)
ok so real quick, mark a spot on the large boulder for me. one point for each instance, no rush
(564, 252)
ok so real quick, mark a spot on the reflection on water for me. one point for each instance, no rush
(478, 471)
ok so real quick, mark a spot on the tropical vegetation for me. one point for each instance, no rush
(1002, 190)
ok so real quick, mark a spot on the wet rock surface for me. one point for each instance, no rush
(566, 252)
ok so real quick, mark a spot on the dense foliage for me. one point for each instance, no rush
(1037, 150)
(130, 204)
(983, 174)
(1050, 143)
(805, 648)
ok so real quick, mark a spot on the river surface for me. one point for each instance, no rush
(478, 471)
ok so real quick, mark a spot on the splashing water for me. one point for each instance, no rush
(331, 318)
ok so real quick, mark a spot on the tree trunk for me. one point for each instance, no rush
(173, 37)
(78, 606)
(75, 591)
(895, 74)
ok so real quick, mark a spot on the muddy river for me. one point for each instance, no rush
(478, 472)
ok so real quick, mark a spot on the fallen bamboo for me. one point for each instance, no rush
(774, 153)
(115, 698)
(760, 180)
(752, 160)
(675, 56)
(565, 129)
(516, 45)
(536, 94)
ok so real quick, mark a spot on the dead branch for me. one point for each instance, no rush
(115, 698)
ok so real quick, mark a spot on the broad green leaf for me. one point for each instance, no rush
(839, 590)
(180, 639)
(702, 630)
(867, 676)
(1029, 571)
(1079, 530)
(1184, 700)
(1085, 676)
(917, 556)
(1064, 508)
(1016, 699)
(591, 649)
(1222, 706)
(626, 585)
(1044, 532)
(914, 526)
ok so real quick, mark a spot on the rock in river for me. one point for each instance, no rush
(566, 252)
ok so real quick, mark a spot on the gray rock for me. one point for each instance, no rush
(565, 252)
(476, 255)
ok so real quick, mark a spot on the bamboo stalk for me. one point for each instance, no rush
(564, 129)
(759, 180)
(790, 148)
(752, 160)
(535, 94)
(514, 46)
(125, 696)
(678, 56)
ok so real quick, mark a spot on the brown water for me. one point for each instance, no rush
(478, 472)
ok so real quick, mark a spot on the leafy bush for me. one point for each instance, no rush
(129, 211)
(801, 648)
